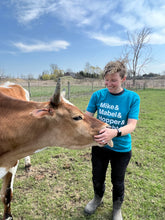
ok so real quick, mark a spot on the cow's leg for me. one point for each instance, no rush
(27, 164)
(7, 191)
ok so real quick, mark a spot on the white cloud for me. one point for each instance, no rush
(85, 13)
(129, 22)
(109, 40)
(27, 11)
(42, 46)
(79, 12)
(158, 38)
(89, 12)
(100, 16)
(139, 13)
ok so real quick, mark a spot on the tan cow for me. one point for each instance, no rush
(29, 126)
(16, 91)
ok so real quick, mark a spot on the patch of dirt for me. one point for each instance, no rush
(38, 173)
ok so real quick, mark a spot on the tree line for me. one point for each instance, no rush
(88, 72)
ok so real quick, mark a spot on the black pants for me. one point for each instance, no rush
(100, 159)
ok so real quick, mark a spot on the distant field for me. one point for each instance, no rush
(59, 184)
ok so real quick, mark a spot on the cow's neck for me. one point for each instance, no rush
(24, 135)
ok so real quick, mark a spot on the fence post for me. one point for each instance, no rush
(144, 85)
(68, 90)
(29, 88)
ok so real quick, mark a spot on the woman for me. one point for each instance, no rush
(119, 108)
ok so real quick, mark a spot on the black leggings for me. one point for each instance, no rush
(119, 161)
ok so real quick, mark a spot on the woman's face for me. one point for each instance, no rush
(113, 82)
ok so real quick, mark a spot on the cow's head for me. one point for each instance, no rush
(68, 126)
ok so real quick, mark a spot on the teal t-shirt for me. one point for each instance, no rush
(115, 111)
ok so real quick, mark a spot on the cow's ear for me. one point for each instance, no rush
(41, 113)
(63, 93)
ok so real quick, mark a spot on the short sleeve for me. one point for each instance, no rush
(92, 105)
(135, 107)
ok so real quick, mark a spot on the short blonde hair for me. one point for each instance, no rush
(115, 67)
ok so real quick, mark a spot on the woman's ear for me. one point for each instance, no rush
(124, 79)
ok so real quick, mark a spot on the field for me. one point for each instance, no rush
(59, 184)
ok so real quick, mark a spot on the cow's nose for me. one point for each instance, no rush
(106, 126)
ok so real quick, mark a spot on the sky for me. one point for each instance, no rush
(69, 33)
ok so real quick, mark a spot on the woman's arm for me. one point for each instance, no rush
(130, 127)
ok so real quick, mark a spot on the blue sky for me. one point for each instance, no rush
(37, 33)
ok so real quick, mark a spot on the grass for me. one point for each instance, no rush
(59, 184)
(43, 93)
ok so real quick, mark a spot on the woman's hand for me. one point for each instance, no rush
(105, 136)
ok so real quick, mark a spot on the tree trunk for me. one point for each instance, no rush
(134, 77)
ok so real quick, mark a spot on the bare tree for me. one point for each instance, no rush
(92, 69)
(138, 51)
(53, 68)
(55, 71)
(87, 67)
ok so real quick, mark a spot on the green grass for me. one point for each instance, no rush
(43, 93)
(59, 184)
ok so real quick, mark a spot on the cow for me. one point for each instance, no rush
(16, 91)
(27, 126)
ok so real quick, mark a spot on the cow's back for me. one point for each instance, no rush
(13, 90)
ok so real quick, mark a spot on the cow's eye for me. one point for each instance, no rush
(77, 118)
